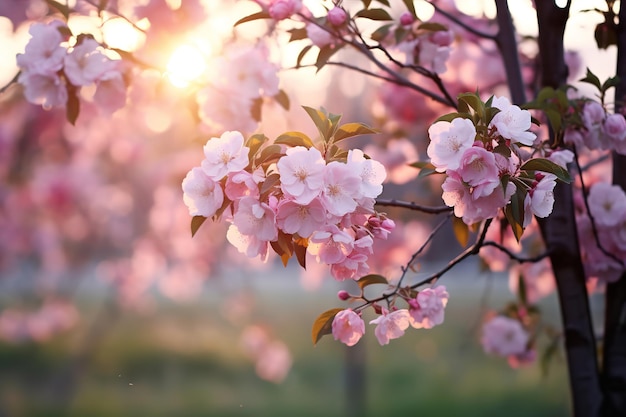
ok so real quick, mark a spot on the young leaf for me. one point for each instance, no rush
(320, 120)
(410, 6)
(270, 154)
(61, 8)
(323, 324)
(514, 213)
(325, 54)
(299, 248)
(461, 231)
(381, 33)
(545, 165)
(254, 143)
(349, 130)
(297, 34)
(521, 290)
(73, 104)
(283, 99)
(294, 139)
(196, 222)
(592, 79)
(255, 108)
(302, 54)
(255, 16)
(374, 14)
(432, 26)
(371, 279)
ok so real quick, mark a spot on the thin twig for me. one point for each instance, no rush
(462, 24)
(414, 206)
(10, 83)
(594, 228)
(515, 257)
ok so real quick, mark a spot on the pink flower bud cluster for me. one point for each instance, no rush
(607, 206)
(327, 208)
(281, 9)
(475, 165)
(425, 311)
(51, 70)
(599, 129)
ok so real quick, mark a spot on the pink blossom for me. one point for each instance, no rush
(512, 122)
(224, 155)
(348, 327)
(407, 18)
(337, 16)
(255, 218)
(607, 204)
(320, 37)
(593, 115)
(302, 219)
(85, 63)
(302, 173)
(391, 325)
(562, 157)
(448, 142)
(542, 196)
(428, 309)
(110, 94)
(283, 9)
(273, 362)
(433, 56)
(355, 265)
(331, 246)
(202, 195)
(241, 184)
(43, 54)
(249, 245)
(46, 90)
(478, 168)
(342, 184)
(538, 279)
(504, 336)
(614, 128)
(372, 173)
(221, 108)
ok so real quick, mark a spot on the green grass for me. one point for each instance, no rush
(184, 360)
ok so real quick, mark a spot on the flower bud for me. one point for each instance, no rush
(343, 295)
(406, 19)
(337, 16)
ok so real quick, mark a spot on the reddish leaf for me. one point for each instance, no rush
(323, 324)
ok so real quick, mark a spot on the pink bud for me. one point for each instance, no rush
(413, 304)
(406, 19)
(343, 295)
(442, 38)
(378, 309)
(337, 16)
(539, 176)
(388, 224)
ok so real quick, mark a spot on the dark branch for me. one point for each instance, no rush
(414, 206)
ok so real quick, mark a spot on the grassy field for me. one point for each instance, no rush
(185, 360)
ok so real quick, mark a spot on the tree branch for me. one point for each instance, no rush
(414, 206)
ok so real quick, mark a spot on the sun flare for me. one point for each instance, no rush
(186, 65)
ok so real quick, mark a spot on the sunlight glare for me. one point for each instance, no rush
(186, 65)
(120, 34)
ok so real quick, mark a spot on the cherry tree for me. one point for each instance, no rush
(527, 164)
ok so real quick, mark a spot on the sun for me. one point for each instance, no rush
(186, 65)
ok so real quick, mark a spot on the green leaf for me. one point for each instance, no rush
(426, 169)
(461, 231)
(255, 16)
(451, 116)
(325, 54)
(349, 130)
(610, 82)
(381, 33)
(255, 142)
(320, 120)
(283, 99)
(294, 139)
(514, 213)
(297, 34)
(472, 101)
(605, 34)
(301, 55)
(270, 154)
(410, 6)
(61, 8)
(545, 165)
(196, 222)
(371, 279)
(374, 14)
(323, 324)
(432, 26)
(592, 79)
(555, 119)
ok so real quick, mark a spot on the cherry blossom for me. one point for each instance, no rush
(224, 155)
(504, 336)
(331, 245)
(512, 122)
(302, 173)
(46, 90)
(202, 195)
(372, 173)
(427, 308)
(303, 219)
(607, 204)
(448, 142)
(255, 218)
(43, 54)
(348, 327)
(85, 63)
(337, 16)
(541, 196)
(391, 325)
(341, 186)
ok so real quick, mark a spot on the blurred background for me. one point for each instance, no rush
(108, 307)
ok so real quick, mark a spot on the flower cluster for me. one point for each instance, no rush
(52, 72)
(480, 155)
(506, 336)
(607, 208)
(293, 201)
(426, 310)
(595, 128)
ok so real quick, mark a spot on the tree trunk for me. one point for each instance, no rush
(561, 239)
(614, 352)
